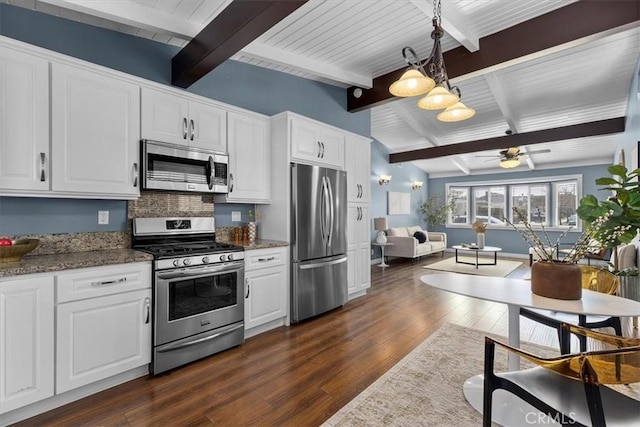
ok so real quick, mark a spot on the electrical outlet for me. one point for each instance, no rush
(371, 251)
(103, 217)
(235, 216)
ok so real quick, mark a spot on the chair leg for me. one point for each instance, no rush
(487, 392)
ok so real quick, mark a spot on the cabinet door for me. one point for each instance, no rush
(363, 264)
(164, 117)
(24, 118)
(95, 133)
(332, 145)
(26, 341)
(249, 159)
(305, 140)
(101, 337)
(265, 295)
(207, 126)
(358, 166)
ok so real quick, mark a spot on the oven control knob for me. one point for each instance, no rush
(230, 257)
(223, 257)
(176, 262)
(205, 260)
(187, 261)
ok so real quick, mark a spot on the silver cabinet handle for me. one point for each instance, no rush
(271, 258)
(184, 128)
(135, 174)
(248, 288)
(109, 282)
(319, 150)
(147, 308)
(43, 177)
(230, 182)
(322, 145)
(192, 125)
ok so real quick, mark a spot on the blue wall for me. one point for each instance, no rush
(509, 240)
(402, 175)
(254, 88)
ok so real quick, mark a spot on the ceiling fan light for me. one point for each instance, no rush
(510, 163)
(412, 83)
(456, 113)
(438, 98)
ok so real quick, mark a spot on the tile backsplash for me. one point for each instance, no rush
(153, 204)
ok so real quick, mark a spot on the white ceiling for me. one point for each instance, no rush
(349, 42)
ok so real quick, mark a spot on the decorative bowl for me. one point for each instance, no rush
(16, 251)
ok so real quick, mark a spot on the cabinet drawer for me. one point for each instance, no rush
(261, 258)
(99, 281)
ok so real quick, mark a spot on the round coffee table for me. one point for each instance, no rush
(488, 249)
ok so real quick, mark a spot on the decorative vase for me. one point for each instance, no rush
(480, 241)
(555, 279)
(381, 238)
(252, 231)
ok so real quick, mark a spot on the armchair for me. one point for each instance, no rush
(567, 388)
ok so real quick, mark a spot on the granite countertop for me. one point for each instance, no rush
(71, 260)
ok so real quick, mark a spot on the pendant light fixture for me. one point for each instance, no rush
(430, 76)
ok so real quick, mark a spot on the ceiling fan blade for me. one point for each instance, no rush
(536, 152)
(492, 155)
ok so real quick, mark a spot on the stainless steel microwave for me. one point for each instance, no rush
(180, 168)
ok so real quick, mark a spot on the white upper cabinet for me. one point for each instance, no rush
(312, 142)
(95, 132)
(176, 119)
(24, 121)
(358, 167)
(249, 147)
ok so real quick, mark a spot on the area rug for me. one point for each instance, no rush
(502, 268)
(425, 388)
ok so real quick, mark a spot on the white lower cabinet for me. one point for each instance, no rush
(266, 287)
(108, 331)
(358, 249)
(26, 340)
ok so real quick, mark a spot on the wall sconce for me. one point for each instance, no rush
(416, 185)
(384, 179)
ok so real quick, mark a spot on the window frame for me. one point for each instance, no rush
(551, 197)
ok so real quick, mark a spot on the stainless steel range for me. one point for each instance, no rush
(197, 291)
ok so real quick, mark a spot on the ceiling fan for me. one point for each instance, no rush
(510, 158)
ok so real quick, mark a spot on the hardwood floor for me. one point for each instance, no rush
(299, 375)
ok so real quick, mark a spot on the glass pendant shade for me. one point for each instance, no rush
(412, 83)
(509, 163)
(456, 113)
(437, 99)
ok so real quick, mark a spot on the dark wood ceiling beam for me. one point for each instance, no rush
(236, 26)
(572, 22)
(600, 127)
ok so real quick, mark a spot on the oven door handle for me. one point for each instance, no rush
(177, 346)
(196, 272)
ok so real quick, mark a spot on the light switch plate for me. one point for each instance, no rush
(103, 217)
(235, 216)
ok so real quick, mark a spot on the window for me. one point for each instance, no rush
(460, 212)
(551, 202)
(531, 200)
(566, 199)
(489, 204)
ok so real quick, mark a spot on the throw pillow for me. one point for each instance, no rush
(420, 236)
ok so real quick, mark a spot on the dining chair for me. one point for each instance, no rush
(570, 389)
(594, 279)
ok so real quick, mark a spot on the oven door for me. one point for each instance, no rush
(174, 167)
(192, 300)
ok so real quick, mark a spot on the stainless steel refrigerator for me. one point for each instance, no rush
(319, 240)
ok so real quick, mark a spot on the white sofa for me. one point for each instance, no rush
(407, 246)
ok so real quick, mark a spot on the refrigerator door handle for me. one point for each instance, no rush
(331, 212)
(323, 264)
(323, 203)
